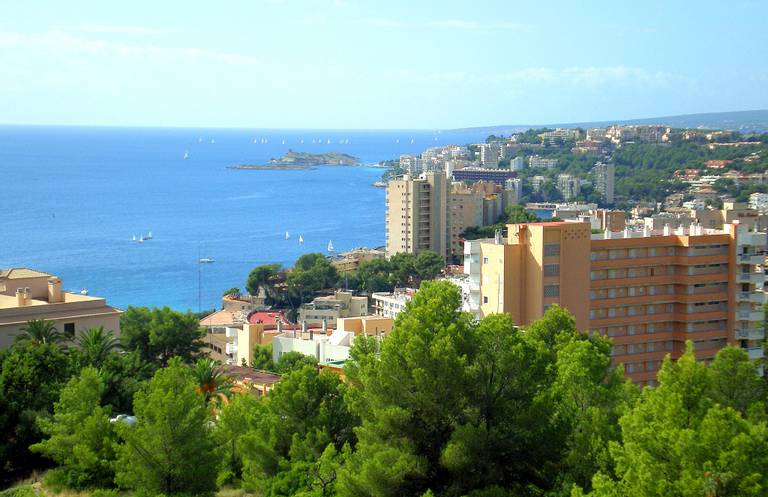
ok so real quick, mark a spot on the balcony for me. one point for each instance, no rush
(750, 316)
(754, 278)
(231, 332)
(755, 353)
(231, 348)
(750, 334)
(752, 238)
(751, 297)
(752, 259)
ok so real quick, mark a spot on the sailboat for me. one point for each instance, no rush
(134, 238)
(302, 140)
(149, 236)
(186, 154)
(328, 142)
(397, 141)
(301, 239)
(287, 235)
(213, 141)
(255, 140)
(330, 246)
(411, 141)
(283, 142)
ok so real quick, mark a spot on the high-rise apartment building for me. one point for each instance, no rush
(517, 164)
(569, 186)
(650, 291)
(489, 155)
(604, 180)
(417, 214)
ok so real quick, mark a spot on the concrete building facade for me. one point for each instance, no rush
(649, 291)
(604, 180)
(26, 295)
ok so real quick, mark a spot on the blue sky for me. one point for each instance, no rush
(382, 64)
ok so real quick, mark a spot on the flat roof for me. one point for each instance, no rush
(22, 272)
(11, 301)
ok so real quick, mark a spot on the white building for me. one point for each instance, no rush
(391, 304)
(489, 155)
(517, 164)
(759, 202)
(323, 347)
(569, 186)
(605, 180)
(539, 161)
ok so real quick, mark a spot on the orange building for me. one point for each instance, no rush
(649, 291)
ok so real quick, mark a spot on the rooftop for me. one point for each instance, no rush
(267, 317)
(22, 272)
(11, 302)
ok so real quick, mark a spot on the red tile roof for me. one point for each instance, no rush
(267, 317)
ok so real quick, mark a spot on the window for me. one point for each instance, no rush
(485, 299)
(551, 291)
(551, 269)
(551, 249)
(69, 329)
(485, 260)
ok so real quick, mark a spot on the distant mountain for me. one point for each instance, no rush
(745, 121)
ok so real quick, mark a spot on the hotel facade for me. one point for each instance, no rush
(649, 291)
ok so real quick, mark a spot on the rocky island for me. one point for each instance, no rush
(302, 161)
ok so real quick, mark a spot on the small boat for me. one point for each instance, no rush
(213, 141)
(149, 236)
(397, 141)
(411, 141)
(255, 140)
(346, 141)
(301, 239)
(186, 154)
(301, 141)
(287, 235)
(84, 291)
(199, 140)
(328, 142)
(330, 246)
(134, 238)
(283, 142)
(206, 260)
(140, 240)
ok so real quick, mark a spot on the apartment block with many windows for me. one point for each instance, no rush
(650, 291)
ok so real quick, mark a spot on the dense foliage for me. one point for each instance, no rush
(445, 406)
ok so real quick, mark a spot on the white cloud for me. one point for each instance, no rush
(62, 42)
(593, 76)
(112, 29)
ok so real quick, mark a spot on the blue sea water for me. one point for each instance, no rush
(72, 198)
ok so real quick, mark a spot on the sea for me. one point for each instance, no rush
(72, 199)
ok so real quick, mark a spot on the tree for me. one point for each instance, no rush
(96, 344)
(676, 441)
(40, 331)
(170, 450)
(80, 436)
(261, 277)
(232, 292)
(294, 360)
(262, 357)
(236, 419)
(374, 276)
(410, 398)
(303, 416)
(428, 265)
(160, 334)
(124, 374)
(735, 382)
(31, 377)
(212, 382)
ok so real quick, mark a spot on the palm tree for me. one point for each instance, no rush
(39, 332)
(211, 380)
(96, 344)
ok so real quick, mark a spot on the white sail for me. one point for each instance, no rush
(186, 154)
(330, 246)
(301, 239)
(134, 238)
(287, 235)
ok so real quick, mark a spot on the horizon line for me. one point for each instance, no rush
(457, 129)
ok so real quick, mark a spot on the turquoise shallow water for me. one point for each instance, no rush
(72, 198)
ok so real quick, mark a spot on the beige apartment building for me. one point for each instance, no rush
(431, 212)
(26, 294)
(650, 291)
(351, 260)
(332, 307)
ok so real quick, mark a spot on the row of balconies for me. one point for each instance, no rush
(752, 259)
(750, 333)
(751, 297)
(750, 315)
(752, 238)
(751, 278)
